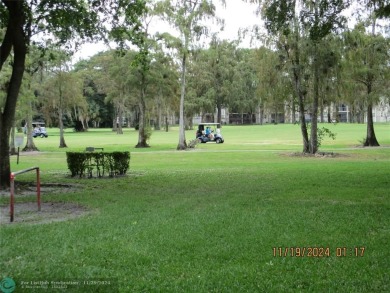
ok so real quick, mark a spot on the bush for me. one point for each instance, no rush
(85, 163)
(193, 143)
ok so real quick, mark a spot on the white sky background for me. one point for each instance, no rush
(237, 14)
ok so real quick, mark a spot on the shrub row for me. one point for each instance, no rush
(100, 163)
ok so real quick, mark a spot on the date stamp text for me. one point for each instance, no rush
(319, 252)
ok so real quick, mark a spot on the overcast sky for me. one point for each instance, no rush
(237, 14)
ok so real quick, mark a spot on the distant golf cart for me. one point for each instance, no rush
(39, 129)
(209, 132)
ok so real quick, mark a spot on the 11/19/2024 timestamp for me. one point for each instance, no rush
(318, 251)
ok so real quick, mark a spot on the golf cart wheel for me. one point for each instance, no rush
(42, 135)
(218, 140)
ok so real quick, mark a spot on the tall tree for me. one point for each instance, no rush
(243, 96)
(186, 16)
(223, 57)
(62, 92)
(201, 90)
(116, 85)
(64, 19)
(33, 78)
(321, 17)
(274, 91)
(14, 40)
(366, 66)
(164, 87)
(299, 28)
(142, 62)
(211, 74)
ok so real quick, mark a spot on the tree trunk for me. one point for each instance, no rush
(182, 135)
(316, 90)
(314, 110)
(276, 116)
(60, 117)
(301, 108)
(30, 145)
(5, 168)
(322, 112)
(16, 38)
(115, 118)
(302, 122)
(293, 118)
(61, 124)
(142, 137)
(82, 124)
(371, 138)
(329, 115)
(157, 125)
(299, 90)
(12, 142)
(219, 113)
(119, 120)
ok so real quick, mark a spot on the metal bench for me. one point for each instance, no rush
(92, 149)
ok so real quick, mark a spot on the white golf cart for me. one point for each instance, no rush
(39, 129)
(209, 132)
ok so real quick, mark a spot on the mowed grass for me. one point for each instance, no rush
(213, 219)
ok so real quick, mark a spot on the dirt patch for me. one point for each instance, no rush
(27, 212)
(317, 155)
(28, 189)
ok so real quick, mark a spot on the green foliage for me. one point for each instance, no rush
(365, 64)
(383, 11)
(322, 17)
(279, 16)
(77, 163)
(319, 18)
(148, 131)
(322, 133)
(212, 74)
(85, 163)
(63, 92)
(85, 19)
(117, 163)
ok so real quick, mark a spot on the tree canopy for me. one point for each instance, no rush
(54, 21)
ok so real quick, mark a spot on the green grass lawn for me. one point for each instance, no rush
(220, 218)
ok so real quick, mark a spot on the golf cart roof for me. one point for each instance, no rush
(207, 123)
(38, 123)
